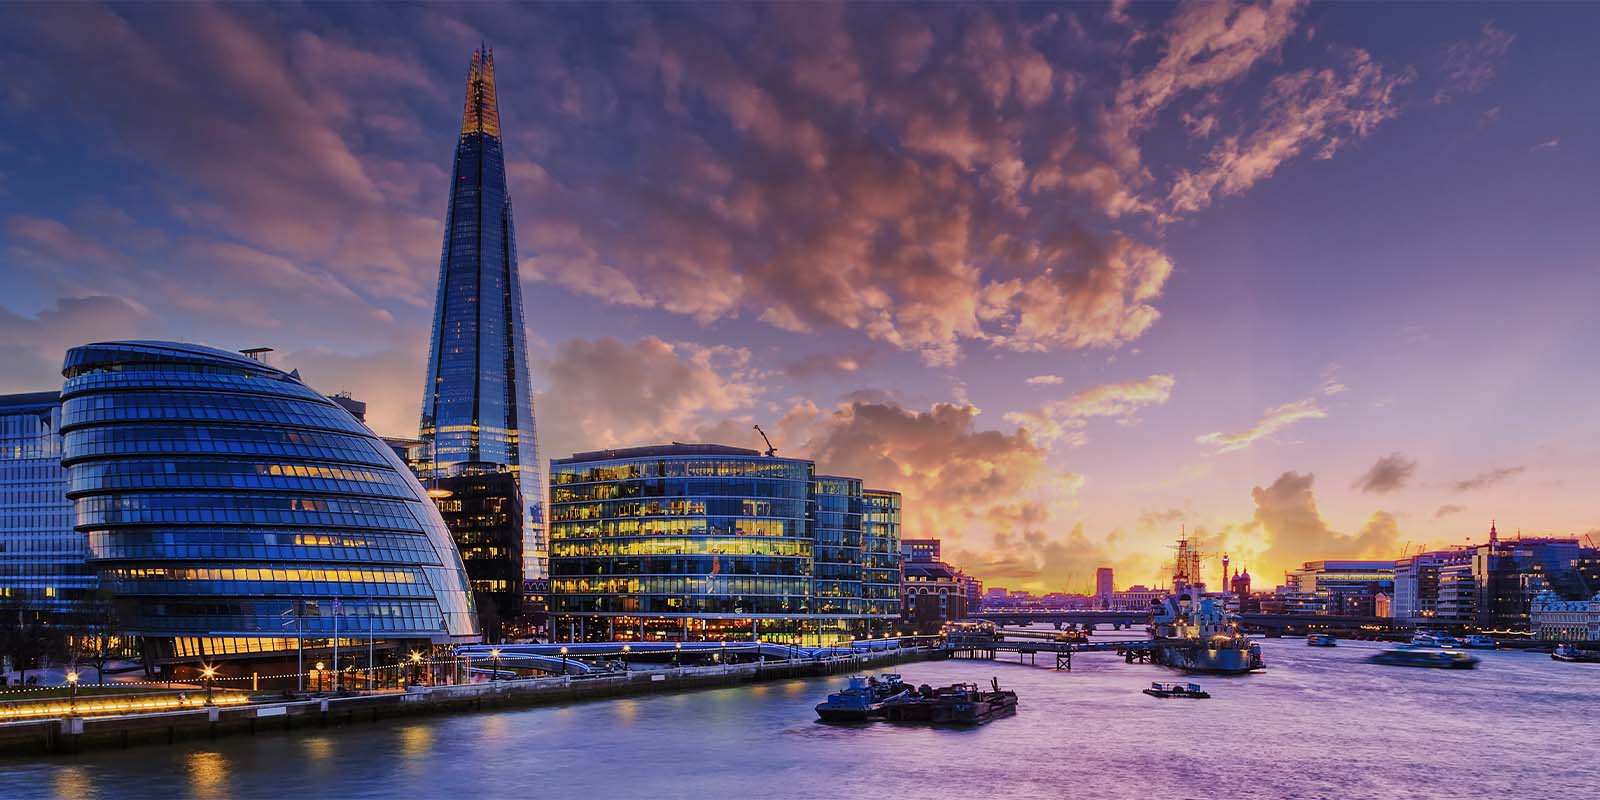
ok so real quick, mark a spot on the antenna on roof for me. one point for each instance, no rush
(771, 451)
(257, 353)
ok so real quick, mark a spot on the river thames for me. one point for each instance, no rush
(1319, 723)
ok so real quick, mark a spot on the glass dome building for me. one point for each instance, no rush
(234, 512)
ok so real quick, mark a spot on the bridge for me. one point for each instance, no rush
(582, 658)
(1028, 646)
(1060, 617)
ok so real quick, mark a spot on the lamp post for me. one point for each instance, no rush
(416, 665)
(563, 660)
(318, 668)
(208, 673)
(72, 689)
(627, 648)
(494, 676)
(677, 652)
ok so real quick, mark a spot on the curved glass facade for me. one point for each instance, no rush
(221, 498)
(704, 542)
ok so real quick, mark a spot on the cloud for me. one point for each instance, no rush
(1549, 144)
(1065, 419)
(1287, 513)
(1272, 421)
(1045, 380)
(32, 348)
(1331, 384)
(1448, 509)
(1387, 474)
(834, 364)
(1485, 480)
(1469, 65)
(1317, 110)
(608, 392)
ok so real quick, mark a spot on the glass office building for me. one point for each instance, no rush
(704, 542)
(880, 560)
(42, 559)
(234, 512)
(477, 407)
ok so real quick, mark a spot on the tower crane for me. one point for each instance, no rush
(771, 451)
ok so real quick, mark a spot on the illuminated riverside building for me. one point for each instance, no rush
(42, 568)
(235, 513)
(705, 542)
(1346, 588)
(477, 406)
(881, 559)
(481, 509)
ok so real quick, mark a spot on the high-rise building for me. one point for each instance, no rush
(42, 569)
(1103, 583)
(477, 409)
(482, 512)
(235, 513)
(708, 542)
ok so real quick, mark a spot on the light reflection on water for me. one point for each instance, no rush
(1319, 723)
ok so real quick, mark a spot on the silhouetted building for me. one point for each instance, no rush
(483, 512)
(934, 593)
(1104, 586)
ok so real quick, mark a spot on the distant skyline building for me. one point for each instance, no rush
(1104, 585)
(234, 512)
(42, 559)
(920, 551)
(477, 407)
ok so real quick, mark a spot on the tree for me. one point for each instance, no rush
(98, 636)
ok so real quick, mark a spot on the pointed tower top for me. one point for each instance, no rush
(1493, 535)
(482, 111)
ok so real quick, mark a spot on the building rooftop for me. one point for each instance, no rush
(658, 450)
(29, 400)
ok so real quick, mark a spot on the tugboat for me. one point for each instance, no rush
(1195, 633)
(957, 704)
(1321, 640)
(1192, 690)
(1567, 652)
(863, 699)
(1412, 657)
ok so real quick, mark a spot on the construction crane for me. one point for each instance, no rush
(771, 451)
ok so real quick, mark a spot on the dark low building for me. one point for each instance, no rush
(932, 594)
(483, 512)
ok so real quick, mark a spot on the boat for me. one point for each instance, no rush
(1415, 657)
(1321, 640)
(1570, 653)
(1177, 690)
(862, 699)
(957, 704)
(1450, 641)
(1479, 641)
(1425, 640)
(1195, 633)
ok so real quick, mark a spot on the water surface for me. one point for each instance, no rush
(1318, 724)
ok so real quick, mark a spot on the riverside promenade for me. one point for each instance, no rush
(73, 734)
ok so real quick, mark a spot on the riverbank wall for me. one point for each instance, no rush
(71, 735)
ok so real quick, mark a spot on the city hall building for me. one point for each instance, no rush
(235, 513)
(699, 542)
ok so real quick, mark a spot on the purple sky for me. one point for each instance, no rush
(1314, 281)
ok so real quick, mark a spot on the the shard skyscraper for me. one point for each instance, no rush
(477, 409)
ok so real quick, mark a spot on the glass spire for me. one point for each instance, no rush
(477, 408)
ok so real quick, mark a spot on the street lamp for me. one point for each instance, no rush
(208, 673)
(72, 687)
(416, 666)
(494, 676)
(563, 660)
(677, 652)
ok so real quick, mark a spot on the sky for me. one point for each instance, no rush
(1305, 281)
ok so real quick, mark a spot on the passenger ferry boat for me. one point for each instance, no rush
(1321, 640)
(862, 699)
(1478, 641)
(1414, 657)
(1567, 652)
